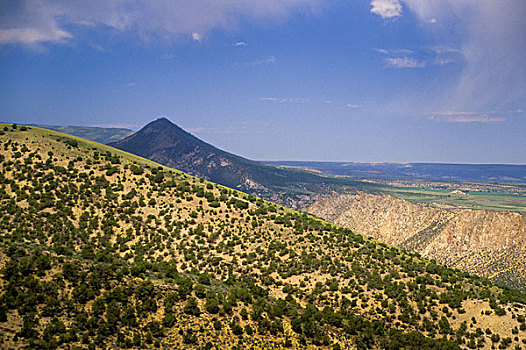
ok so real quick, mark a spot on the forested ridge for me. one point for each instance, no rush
(101, 249)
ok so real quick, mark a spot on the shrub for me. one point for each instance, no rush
(70, 142)
(191, 307)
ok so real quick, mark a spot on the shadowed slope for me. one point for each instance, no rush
(166, 143)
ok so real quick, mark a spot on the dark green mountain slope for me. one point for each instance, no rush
(167, 144)
(100, 135)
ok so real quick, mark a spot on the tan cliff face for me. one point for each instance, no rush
(488, 243)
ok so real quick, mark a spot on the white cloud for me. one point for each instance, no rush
(266, 60)
(404, 62)
(352, 106)
(197, 37)
(38, 21)
(387, 9)
(394, 51)
(284, 100)
(239, 43)
(384, 51)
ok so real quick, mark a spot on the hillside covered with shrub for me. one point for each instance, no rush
(102, 249)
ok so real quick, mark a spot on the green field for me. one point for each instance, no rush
(466, 199)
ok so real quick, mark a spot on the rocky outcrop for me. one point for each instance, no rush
(483, 242)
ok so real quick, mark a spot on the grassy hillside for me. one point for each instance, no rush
(103, 249)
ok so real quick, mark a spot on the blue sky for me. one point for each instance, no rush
(380, 80)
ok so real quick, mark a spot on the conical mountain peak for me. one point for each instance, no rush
(166, 143)
(158, 135)
(162, 124)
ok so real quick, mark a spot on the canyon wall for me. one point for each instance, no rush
(487, 243)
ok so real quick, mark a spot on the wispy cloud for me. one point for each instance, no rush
(428, 56)
(130, 84)
(394, 51)
(32, 36)
(284, 99)
(239, 44)
(97, 47)
(384, 51)
(442, 61)
(444, 55)
(33, 22)
(444, 49)
(489, 38)
(352, 106)
(449, 113)
(404, 62)
(387, 9)
(485, 36)
(473, 119)
(487, 117)
(266, 60)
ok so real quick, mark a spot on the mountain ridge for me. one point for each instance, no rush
(102, 135)
(166, 143)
